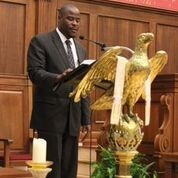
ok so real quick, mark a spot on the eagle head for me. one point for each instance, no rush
(144, 39)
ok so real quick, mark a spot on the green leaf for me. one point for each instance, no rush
(106, 167)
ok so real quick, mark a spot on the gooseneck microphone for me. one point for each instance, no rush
(102, 45)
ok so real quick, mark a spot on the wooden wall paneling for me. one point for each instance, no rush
(93, 48)
(88, 25)
(17, 20)
(12, 36)
(46, 15)
(171, 164)
(14, 112)
(84, 30)
(150, 131)
(145, 15)
(31, 30)
(121, 32)
(175, 122)
(30, 27)
(167, 39)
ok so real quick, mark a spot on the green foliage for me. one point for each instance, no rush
(139, 169)
(106, 167)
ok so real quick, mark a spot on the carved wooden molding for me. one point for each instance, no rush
(163, 141)
(44, 0)
(130, 6)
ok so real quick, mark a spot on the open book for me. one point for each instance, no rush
(78, 73)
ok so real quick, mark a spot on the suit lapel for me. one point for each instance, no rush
(79, 52)
(58, 43)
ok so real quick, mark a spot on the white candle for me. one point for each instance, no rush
(118, 90)
(148, 100)
(39, 150)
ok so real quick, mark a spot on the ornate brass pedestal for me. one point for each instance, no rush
(124, 140)
(39, 170)
(125, 160)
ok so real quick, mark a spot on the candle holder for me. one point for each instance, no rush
(39, 170)
(124, 139)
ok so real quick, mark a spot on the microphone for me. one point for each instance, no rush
(102, 45)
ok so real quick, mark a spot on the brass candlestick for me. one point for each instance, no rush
(125, 161)
(124, 139)
(39, 170)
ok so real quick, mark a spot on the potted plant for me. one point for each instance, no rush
(106, 167)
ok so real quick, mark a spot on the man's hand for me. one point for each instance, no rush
(61, 76)
(67, 71)
(85, 129)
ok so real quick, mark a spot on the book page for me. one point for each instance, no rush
(88, 61)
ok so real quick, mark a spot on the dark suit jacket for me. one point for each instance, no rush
(53, 110)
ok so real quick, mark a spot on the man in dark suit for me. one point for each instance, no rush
(55, 116)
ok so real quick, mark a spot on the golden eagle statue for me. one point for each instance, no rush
(137, 72)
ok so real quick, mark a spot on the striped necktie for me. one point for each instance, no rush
(69, 54)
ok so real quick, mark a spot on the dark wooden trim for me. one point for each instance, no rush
(130, 6)
(166, 82)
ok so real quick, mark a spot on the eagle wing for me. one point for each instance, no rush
(103, 69)
(157, 63)
(105, 102)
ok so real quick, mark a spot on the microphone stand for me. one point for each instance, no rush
(102, 45)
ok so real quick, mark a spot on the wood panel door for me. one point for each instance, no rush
(15, 16)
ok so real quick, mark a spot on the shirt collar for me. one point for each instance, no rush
(63, 38)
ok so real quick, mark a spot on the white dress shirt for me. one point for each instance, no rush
(74, 51)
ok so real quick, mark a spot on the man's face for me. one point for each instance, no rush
(69, 22)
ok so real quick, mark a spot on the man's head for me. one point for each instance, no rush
(69, 20)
